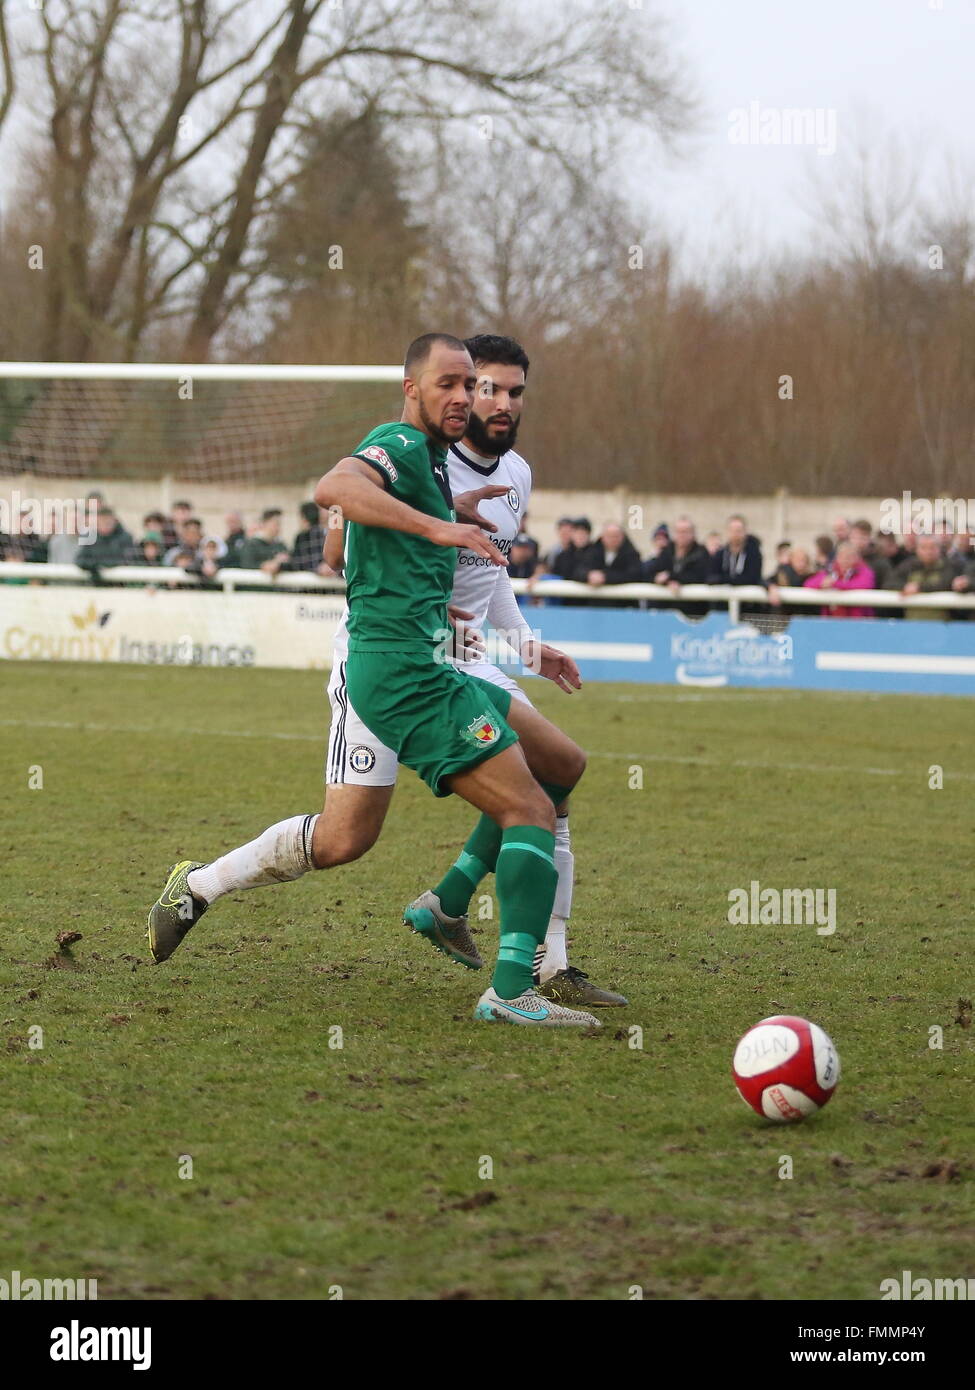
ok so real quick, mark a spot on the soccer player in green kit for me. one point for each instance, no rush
(457, 732)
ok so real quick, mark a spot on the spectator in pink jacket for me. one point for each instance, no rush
(845, 571)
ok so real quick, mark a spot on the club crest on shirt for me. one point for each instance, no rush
(381, 457)
(513, 500)
(482, 730)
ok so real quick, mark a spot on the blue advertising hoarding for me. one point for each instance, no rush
(663, 647)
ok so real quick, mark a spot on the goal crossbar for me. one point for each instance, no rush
(198, 371)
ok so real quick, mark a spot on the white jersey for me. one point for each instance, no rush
(475, 578)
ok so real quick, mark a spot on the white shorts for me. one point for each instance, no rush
(356, 757)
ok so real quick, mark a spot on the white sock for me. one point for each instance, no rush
(555, 957)
(281, 854)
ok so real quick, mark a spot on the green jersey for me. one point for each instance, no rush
(398, 585)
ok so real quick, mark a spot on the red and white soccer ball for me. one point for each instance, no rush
(785, 1068)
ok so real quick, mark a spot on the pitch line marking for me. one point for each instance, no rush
(688, 760)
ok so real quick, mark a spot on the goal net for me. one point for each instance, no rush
(205, 425)
(225, 439)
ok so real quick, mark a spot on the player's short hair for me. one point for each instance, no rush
(269, 514)
(420, 348)
(309, 510)
(492, 347)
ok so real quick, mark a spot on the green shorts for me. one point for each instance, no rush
(435, 719)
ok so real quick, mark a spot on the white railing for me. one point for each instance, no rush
(168, 576)
(734, 595)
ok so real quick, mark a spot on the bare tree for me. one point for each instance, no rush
(171, 128)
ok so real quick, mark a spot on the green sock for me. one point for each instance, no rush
(526, 879)
(478, 858)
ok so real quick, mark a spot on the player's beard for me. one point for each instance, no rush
(486, 444)
(432, 428)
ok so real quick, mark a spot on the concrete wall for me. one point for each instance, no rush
(799, 519)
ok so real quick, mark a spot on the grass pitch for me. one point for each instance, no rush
(363, 1168)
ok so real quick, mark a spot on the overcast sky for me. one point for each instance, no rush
(887, 68)
(876, 71)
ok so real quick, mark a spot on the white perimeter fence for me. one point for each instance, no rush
(305, 581)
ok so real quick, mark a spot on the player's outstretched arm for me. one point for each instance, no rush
(505, 616)
(357, 490)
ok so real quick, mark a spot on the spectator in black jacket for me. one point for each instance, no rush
(24, 544)
(792, 569)
(565, 564)
(112, 544)
(739, 561)
(783, 573)
(234, 539)
(523, 560)
(265, 550)
(309, 543)
(861, 536)
(890, 550)
(682, 560)
(613, 559)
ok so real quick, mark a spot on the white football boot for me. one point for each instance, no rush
(532, 1009)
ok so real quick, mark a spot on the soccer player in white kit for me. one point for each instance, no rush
(482, 596)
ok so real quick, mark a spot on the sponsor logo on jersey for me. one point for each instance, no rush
(482, 730)
(468, 557)
(406, 442)
(361, 758)
(512, 499)
(381, 457)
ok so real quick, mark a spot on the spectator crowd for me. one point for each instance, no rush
(852, 556)
(177, 540)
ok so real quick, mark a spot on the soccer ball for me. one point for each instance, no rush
(785, 1068)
